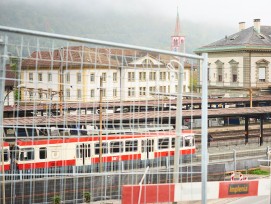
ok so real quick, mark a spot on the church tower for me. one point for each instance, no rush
(177, 40)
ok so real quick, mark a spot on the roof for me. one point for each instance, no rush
(247, 39)
(70, 56)
(140, 116)
(148, 60)
(10, 76)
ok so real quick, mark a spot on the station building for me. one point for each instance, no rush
(240, 61)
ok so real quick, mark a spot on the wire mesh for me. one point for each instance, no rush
(83, 117)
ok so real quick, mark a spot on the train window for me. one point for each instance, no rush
(163, 143)
(6, 155)
(189, 142)
(173, 143)
(131, 146)
(43, 153)
(27, 154)
(116, 147)
(104, 148)
(31, 132)
(9, 132)
(21, 132)
(83, 150)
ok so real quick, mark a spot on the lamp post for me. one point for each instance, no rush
(179, 117)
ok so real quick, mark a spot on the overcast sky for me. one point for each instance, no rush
(229, 12)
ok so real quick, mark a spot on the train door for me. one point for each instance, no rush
(83, 154)
(147, 149)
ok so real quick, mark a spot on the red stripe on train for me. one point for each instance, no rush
(117, 158)
(50, 164)
(6, 167)
(171, 153)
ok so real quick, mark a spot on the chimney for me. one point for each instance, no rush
(257, 25)
(242, 26)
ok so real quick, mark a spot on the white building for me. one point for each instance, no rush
(76, 72)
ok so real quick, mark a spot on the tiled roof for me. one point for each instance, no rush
(69, 56)
(246, 39)
(10, 76)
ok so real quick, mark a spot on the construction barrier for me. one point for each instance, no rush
(159, 193)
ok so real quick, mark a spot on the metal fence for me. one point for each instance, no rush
(60, 90)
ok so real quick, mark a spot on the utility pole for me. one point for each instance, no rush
(101, 126)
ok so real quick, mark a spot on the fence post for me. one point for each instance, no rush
(3, 59)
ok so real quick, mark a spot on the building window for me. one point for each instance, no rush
(163, 76)
(40, 94)
(92, 77)
(142, 76)
(79, 78)
(68, 77)
(79, 93)
(131, 91)
(31, 95)
(261, 74)
(49, 77)
(220, 77)
(104, 77)
(162, 89)
(68, 93)
(176, 88)
(115, 92)
(131, 76)
(152, 90)
(103, 92)
(40, 76)
(30, 77)
(152, 76)
(49, 92)
(142, 91)
(115, 79)
(92, 93)
(219, 66)
(176, 75)
(234, 78)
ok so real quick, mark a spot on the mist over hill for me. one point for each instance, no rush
(140, 29)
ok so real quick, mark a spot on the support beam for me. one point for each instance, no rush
(261, 130)
(246, 130)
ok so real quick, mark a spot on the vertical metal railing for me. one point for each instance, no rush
(99, 44)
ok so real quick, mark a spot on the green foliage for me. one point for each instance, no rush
(17, 95)
(256, 172)
(56, 199)
(87, 197)
(193, 82)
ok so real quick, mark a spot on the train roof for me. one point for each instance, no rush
(26, 142)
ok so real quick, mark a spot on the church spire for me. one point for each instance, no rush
(177, 40)
(177, 25)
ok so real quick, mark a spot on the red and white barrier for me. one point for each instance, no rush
(159, 193)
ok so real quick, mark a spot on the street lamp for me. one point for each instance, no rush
(179, 116)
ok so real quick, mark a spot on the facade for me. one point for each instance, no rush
(74, 74)
(241, 61)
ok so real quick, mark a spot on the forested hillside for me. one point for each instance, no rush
(144, 30)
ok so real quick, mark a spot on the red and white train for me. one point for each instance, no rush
(80, 151)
